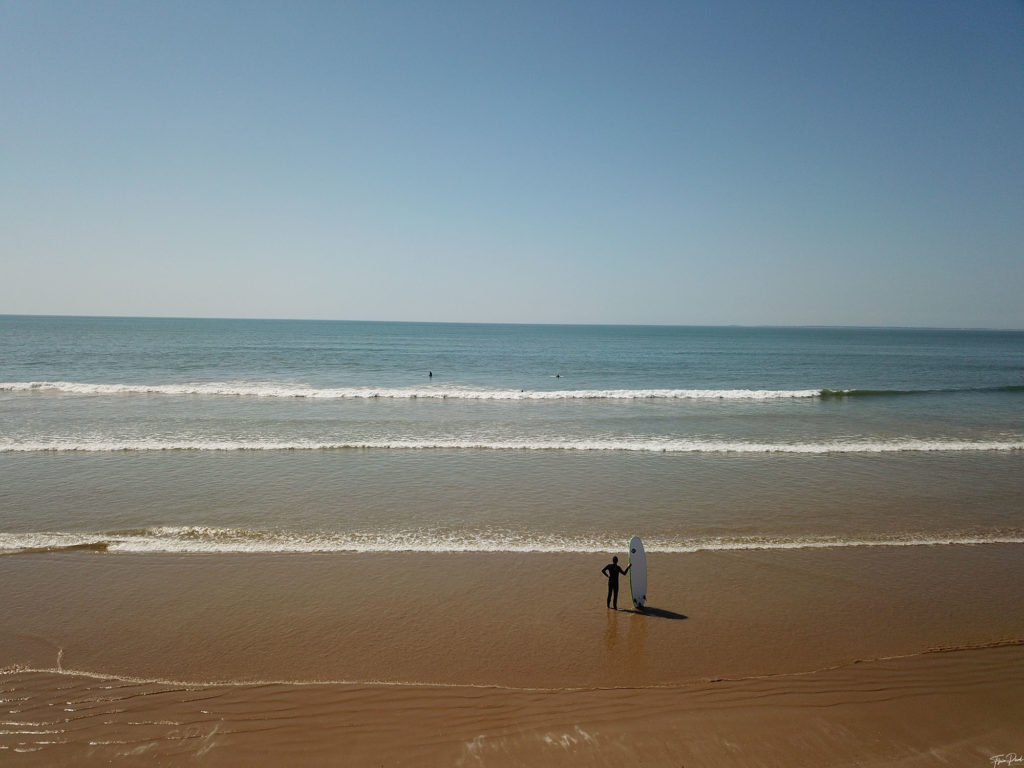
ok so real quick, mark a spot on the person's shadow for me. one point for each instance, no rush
(659, 613)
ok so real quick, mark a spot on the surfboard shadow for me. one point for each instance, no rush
(659, 613)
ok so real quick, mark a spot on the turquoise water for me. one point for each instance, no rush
(249, 435)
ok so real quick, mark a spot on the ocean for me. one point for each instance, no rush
(187, 435)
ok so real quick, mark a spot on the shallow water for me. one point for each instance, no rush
(192, 435)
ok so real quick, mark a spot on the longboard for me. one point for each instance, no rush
(637, 572)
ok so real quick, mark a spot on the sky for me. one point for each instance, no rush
(795, 162)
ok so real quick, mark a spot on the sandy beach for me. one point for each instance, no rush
(861, 656)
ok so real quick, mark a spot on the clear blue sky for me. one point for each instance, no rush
(834, 163)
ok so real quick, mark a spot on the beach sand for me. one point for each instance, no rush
(852, 656)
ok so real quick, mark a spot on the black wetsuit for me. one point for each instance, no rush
(612, 571)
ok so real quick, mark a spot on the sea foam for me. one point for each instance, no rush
(298, 391)
(207, 539)
(652, 445)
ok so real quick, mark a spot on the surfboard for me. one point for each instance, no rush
(637, 572)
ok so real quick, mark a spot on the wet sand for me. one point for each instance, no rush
(859, 656)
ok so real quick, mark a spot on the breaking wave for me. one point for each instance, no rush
(204, 539)
(293, 391)
(276, 390)
(650, 445)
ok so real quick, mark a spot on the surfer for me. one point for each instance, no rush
(612, 571)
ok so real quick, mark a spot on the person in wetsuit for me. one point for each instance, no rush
(612, 571)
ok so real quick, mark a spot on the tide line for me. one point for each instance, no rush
(113, 680)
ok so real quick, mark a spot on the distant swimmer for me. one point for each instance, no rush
(430, 374)
(612, 571)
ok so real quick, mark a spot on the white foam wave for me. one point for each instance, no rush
(292, 391)
(654, 445)
(213, 540)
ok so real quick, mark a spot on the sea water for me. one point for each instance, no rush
(187, 435)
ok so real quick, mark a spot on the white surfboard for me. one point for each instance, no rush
(637, 572)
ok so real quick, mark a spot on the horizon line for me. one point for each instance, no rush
(521, 322)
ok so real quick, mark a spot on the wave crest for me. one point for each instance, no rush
(295, 391)
(278, 390)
